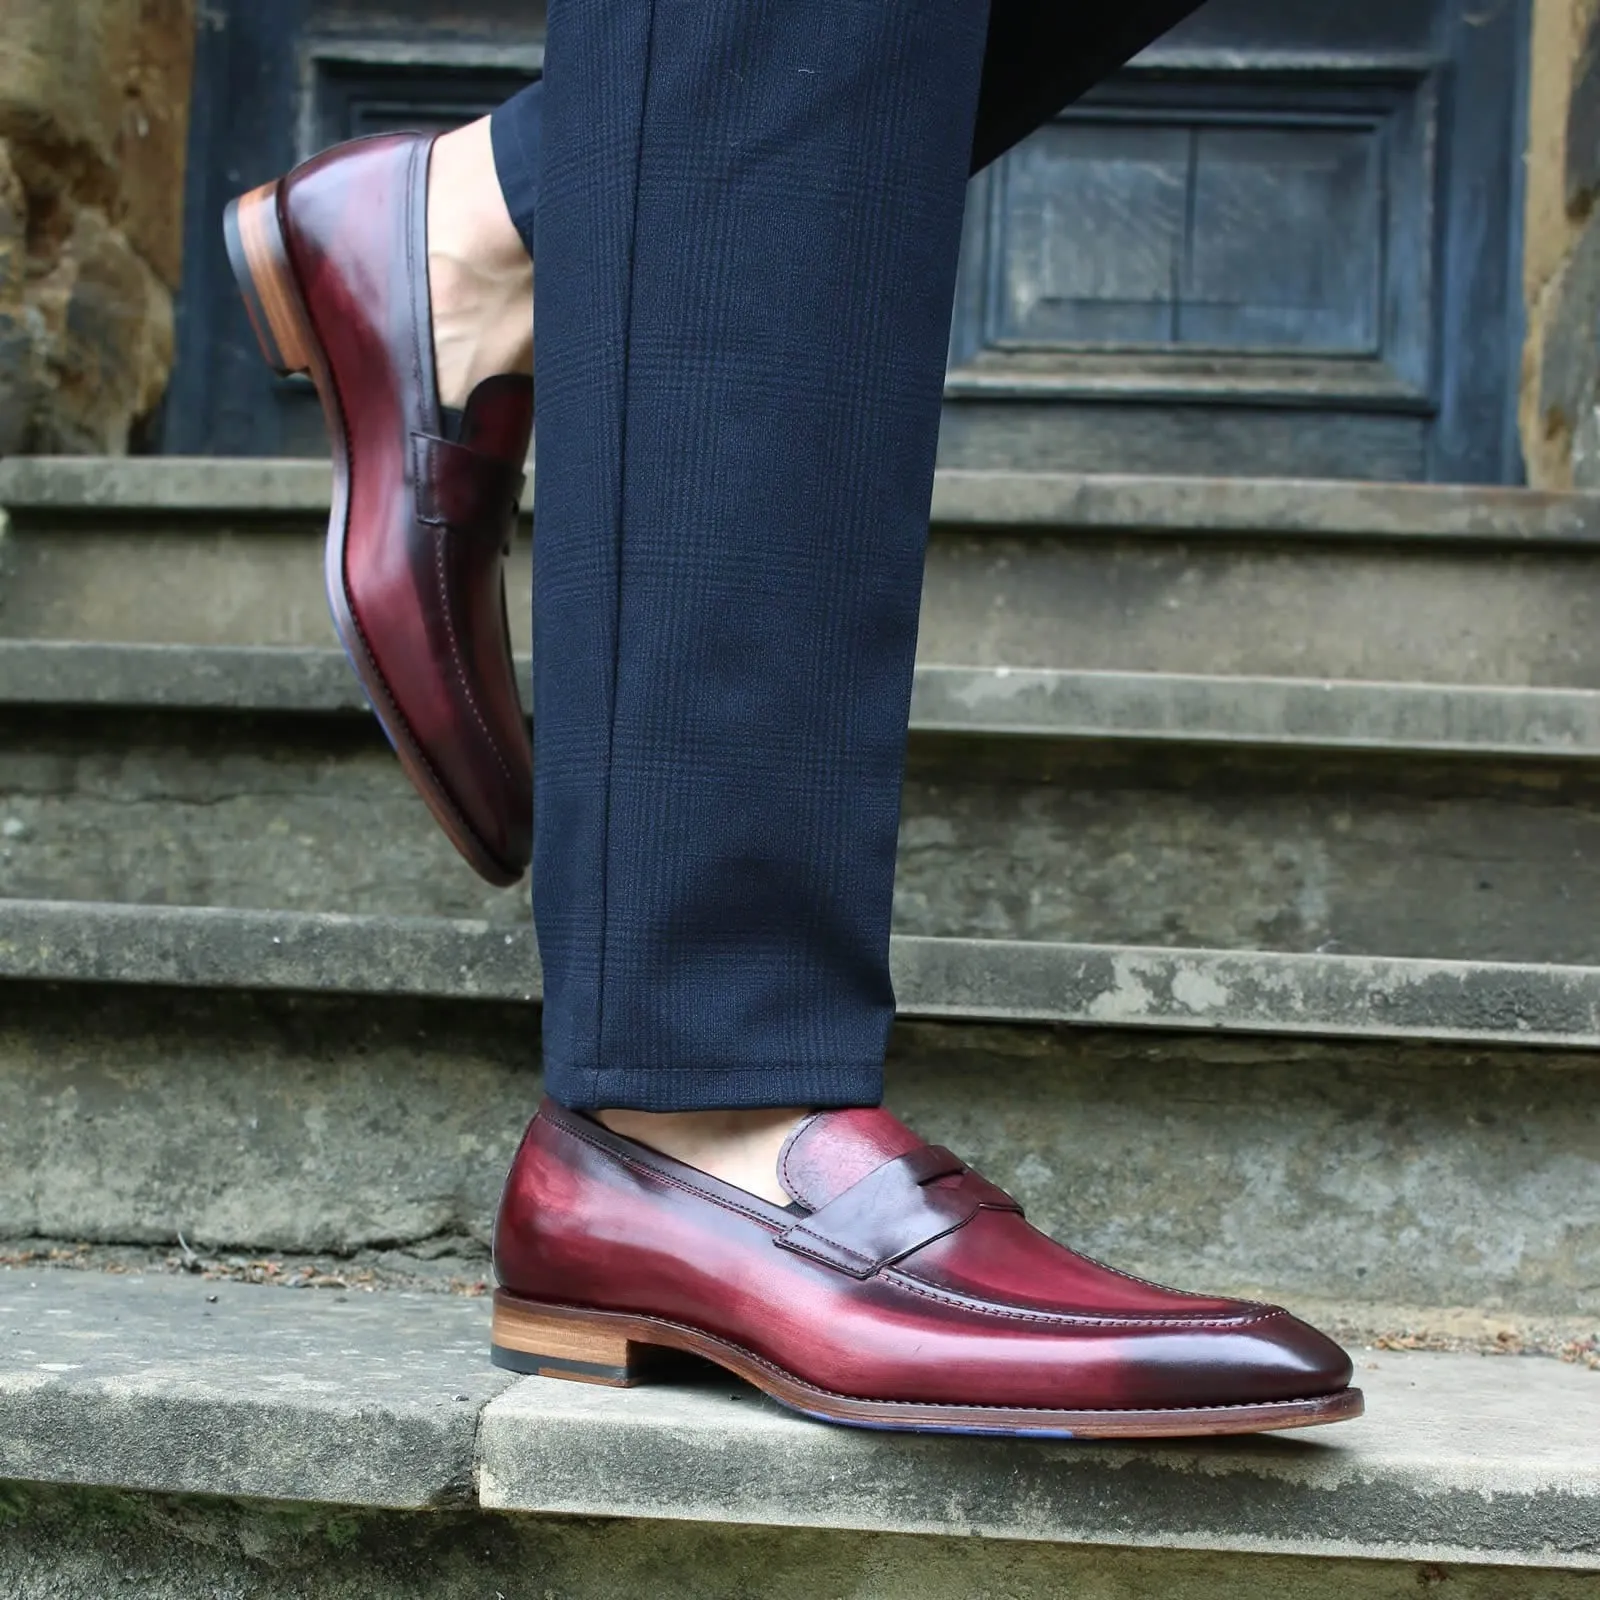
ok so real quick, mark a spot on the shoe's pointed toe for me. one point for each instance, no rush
(1297, 1361)
(1262, 1355)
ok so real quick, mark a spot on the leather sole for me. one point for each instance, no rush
(259, 256)
(622, 1350)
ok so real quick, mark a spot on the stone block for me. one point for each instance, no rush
(16, 338)
(1460, 1459)
(207, 1388)
(155, 73)
(96, 95)
(262, 800)
(1563, 163)
(1427, 1176)
(93, 123)
(1583, 122)
(1569, 369)
(59, 1542)
(316, 1400)
(86, 329)
(60, 95)
(105, 339)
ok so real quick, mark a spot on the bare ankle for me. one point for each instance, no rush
(480, 279)
(739, 1147)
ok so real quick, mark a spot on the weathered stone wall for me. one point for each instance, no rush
(1560, 410)
(94, 100)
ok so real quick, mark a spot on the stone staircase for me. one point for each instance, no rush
(1250, 846)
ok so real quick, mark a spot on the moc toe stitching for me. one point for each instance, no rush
(1178, 1321)
(901, 1277)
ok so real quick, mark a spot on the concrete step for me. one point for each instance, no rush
(1248, 577)
(1374, 1136)
(1399, 819)
(1481, 1471)
(1025, 704)
(1233, 992)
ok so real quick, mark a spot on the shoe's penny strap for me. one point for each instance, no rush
(461, 488)
(895, 1210)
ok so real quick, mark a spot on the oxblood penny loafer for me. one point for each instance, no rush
(901, 1290)
(333, 264)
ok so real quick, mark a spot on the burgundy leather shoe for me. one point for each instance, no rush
(333, 264)
(901, 1290)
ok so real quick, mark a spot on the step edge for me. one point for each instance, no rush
(1131, 503)
(533, 1446)
(1056, 705)
(1400, 998)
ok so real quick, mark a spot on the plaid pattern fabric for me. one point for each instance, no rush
(746, 217)
(1039, 56)
(516, 131)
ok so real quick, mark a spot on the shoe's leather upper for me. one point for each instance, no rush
(430, 519)
(898, 1274)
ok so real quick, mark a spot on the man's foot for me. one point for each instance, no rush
(892, 1287)
(332, 264)
(480, 279)
(739, 1147)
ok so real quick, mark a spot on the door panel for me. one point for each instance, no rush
(1113, 234)
(1285, 242)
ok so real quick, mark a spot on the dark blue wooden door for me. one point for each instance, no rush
(1286, 240)
(1283, 241)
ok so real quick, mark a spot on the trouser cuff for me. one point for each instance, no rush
(769, 1086)
(516, 130)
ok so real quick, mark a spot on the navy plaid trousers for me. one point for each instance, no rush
(745, 217)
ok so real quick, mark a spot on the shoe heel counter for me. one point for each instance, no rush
(505, 1253)
(532, 1247)
(339, 185)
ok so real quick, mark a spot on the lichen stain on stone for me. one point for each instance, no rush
(998, 686)
(1128, 996)
(1197, 990)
